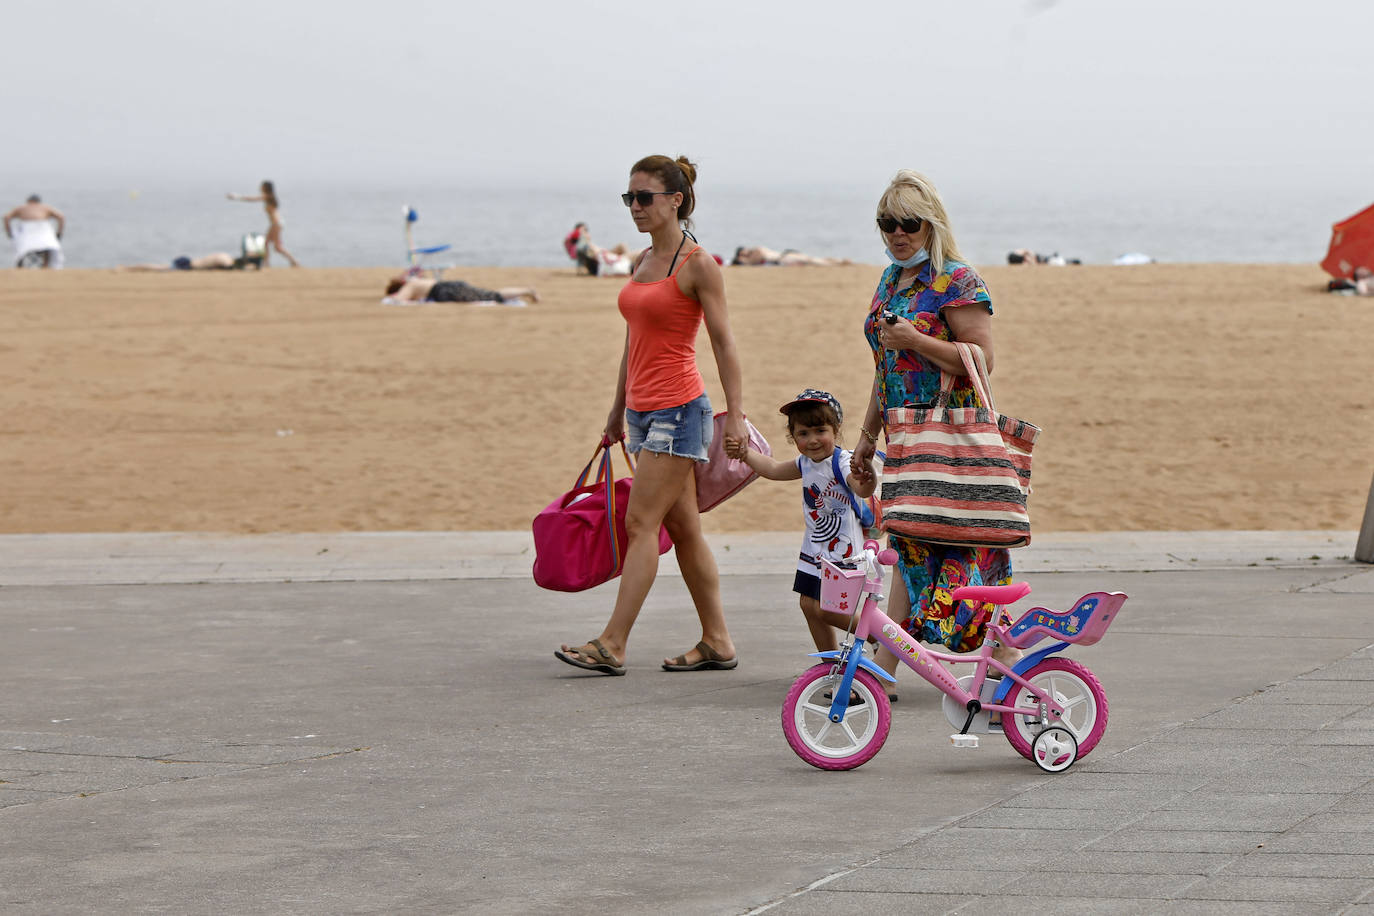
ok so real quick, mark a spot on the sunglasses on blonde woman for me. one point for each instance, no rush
(645, 198)
(909, 226)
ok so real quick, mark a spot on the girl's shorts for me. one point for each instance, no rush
(807, 585)
(683, 431)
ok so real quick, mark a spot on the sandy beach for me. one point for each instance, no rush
(1172, 397)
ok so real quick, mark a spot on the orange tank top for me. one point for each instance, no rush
(661, 370)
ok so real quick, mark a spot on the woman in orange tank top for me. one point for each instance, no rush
(660, 395)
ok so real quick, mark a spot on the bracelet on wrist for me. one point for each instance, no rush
(872, 437)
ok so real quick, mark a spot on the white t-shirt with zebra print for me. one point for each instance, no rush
(832, 529)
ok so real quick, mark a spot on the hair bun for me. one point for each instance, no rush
(688, 168)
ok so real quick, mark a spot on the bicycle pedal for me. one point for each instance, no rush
(964, 740)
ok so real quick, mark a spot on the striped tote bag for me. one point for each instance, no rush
(958, 475)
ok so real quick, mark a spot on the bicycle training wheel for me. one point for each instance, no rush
(1054, 749)
(1075, 688)
(835, 745)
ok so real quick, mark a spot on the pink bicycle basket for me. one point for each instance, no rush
(841, 589)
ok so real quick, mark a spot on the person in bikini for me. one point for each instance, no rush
(661, 397)
(759, 256)
(402, 290)
(218, 260)
(267, 196)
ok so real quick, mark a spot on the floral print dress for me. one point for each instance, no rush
(905, 378)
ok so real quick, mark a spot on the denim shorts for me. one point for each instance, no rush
(683, 431)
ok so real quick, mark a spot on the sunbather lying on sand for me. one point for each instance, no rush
(219, 260)
(757, 255)
(402, 290)
(1362, 284)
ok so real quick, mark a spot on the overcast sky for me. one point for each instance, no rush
(1094, 93)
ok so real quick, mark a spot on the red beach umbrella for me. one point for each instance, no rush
(1352, 244)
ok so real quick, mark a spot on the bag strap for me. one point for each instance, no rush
(976, 363)
(605, 475)
(976, 367)
(605, 457)
(605, 470)
(863, 514)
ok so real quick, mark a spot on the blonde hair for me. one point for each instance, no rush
(912, 195)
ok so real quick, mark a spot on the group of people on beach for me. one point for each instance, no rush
(592, 258)
(597, 261)
(660, 406)
(36, 230)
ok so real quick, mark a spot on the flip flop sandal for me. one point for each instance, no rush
(854, 698)
(601, 660)
(711, 660)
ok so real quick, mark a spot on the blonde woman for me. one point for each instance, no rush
(268, 199)
(935, 298)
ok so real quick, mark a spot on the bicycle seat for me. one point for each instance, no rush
(994, 594)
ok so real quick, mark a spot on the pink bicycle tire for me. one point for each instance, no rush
(1021, 736)
(873, 695)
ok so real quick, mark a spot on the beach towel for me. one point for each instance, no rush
(34, 236)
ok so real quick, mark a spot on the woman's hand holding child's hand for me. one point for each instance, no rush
(736, 448)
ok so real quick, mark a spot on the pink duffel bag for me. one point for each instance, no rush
(722, 476)
(579, 538)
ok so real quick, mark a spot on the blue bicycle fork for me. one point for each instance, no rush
(839, 700)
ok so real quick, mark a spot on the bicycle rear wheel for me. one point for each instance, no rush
(835, 745)
(1075, 688)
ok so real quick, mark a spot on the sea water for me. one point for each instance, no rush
(484, 225)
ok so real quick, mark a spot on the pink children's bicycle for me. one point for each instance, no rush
(1051, 709)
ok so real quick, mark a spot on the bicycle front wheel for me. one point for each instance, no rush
(1073, 687)
(835, 745)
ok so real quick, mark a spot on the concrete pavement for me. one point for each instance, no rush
(374, 723)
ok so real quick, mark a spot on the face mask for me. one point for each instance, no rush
(919, 257)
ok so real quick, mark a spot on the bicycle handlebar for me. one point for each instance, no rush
(875, 553)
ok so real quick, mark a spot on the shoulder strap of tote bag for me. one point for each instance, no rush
(976, 367)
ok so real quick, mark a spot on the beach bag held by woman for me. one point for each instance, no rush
(958, 475)
(721, 476)
(579, 538)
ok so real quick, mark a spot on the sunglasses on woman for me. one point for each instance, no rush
(645, 198)
(909, 226)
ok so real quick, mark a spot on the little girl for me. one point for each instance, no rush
(832, 529)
